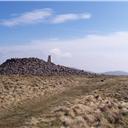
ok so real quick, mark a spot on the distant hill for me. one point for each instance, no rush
(35, 66)
(116, 73)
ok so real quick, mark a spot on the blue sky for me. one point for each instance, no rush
(87, 35)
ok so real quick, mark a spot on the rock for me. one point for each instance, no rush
(35, 66)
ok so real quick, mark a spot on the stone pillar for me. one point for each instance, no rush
(49, 59)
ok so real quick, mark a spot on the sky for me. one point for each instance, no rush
(88, 35)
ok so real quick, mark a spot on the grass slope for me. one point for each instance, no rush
(54, 111)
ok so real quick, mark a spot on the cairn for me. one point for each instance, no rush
(35, 66)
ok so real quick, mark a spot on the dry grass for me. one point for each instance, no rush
(64, 102)
(15, 89)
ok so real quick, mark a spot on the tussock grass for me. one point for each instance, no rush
(62, 102)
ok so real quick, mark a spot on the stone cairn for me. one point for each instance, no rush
(35, 66)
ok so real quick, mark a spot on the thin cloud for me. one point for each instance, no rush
(41, 15)
(28, 17)
(70, 17)
(59, 53)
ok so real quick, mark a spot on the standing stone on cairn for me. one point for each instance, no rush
(49, 59)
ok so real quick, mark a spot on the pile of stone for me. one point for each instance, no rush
(35, 66)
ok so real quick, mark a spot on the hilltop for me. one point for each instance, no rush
(35, 66)
(40, 94)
